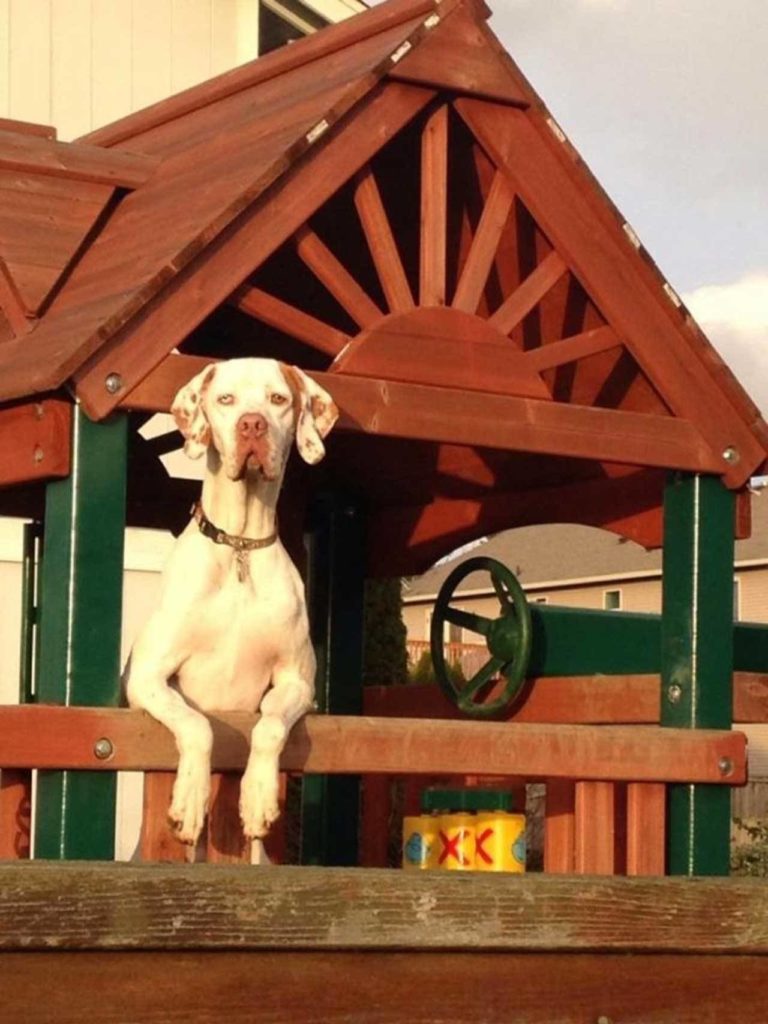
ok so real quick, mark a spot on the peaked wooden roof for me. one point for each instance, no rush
(389, 204)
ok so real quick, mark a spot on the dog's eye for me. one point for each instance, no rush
(226, 399)
(277, 399)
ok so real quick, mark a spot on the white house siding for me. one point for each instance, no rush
(79, 64)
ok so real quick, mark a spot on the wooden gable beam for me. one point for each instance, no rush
(605, 263)
(270, 310)
(451, 415)
(209, 279)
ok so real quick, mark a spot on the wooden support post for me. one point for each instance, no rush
(697, 657)
(330, 805)
(80, 617)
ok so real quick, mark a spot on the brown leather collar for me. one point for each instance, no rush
(241, 545)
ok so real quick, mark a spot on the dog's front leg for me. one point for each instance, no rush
(146, 684)
(291, 697)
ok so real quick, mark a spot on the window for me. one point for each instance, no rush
(736, 600)
(612, 600)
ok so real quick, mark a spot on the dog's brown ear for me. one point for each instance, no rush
(188, 411)
(316, 413)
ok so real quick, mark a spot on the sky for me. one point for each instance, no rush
(667, 101)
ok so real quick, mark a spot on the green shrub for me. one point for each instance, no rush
(385, 655)
(751, 857)
(424, 671)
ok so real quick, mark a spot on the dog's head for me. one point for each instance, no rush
(249, 410)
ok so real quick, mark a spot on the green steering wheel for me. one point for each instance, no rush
(508, 639)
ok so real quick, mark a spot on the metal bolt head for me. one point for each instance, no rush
(602, 1019)
(38, 454)
(674, 693)
(103, 748)
(113, 383)
(725, 766)
(731, 456)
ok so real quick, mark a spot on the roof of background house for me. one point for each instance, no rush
(564, 552)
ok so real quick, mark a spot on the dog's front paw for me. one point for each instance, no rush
(259, 800)
(189, 803)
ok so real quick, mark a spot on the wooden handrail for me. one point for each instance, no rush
(35, 736)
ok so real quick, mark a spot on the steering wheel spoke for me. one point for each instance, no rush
(467, 620)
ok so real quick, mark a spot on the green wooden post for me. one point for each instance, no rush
(80, 617)
(697, 657)
(330, 804)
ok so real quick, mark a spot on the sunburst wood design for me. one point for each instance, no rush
(451, 285)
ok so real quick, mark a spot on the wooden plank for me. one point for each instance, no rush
(606, 263)
(558, 353)
(493, 219)
(394, 409)
(157, 842)
(83, 906)
(336, 278)
(35, 441)
(273, 311)
(226, 843)
(646, 828)
(27, 153)
(43, 131)
(434, 209)
(234, 253)
(366, 988)
(559, 828)
(382, 244)
(15, 813)
(530, 292)
(350, 745)
(595, 828)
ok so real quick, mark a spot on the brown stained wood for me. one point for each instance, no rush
(531, 291)
(394, 409)
(441, 346)
(585, 700)
(157, 842)
(35, 441)
(607, 265)
(381, 243)
(226, 843)
(81, 906)
(455, 57)
(281, 61)
(15, 813)
(559, 827)
(12, 303)
(568, 350)
(330, 744)
(336, 278)
(482, 252)
(292, 321)
(375, 815)
(24, 153)
(44, 131)
(595, 828)
(373, 988)
(646, 828)
(229, 259)
(434, 209)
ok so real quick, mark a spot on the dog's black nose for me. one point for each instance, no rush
(251, 426)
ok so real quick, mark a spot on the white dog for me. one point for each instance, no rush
(232, 617)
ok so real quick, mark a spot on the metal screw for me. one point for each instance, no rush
(39, 411)
(38, 455)
(602, 1019)
(731, 456)
(725, 766)
(103, 748)
(113, 383)
(674, 693)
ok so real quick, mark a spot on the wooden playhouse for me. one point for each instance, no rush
(389, 205)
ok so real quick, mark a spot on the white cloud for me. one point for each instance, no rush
(735, 317)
